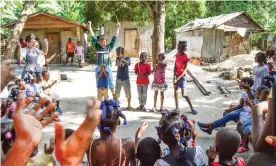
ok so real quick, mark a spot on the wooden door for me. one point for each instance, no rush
(53, 55)
(131, 43)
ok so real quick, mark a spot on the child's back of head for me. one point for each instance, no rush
(148, 151)
(227, 142)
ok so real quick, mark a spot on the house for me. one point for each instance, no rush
(133, 37)
(56, 29)
(217, 38)
(268, 41)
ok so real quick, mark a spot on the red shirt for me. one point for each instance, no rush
(70, 47)
(142, 68)
(180, 63)
(240, 162)
(23, 45)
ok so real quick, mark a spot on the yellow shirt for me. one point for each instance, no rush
(45, 84)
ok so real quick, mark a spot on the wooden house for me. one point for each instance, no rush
(133, 37)
(217, 38)
(57, 30)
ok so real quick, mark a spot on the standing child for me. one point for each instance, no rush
(142, 70)
(260, 71)
(70, 47)
(102, 83)
(79, 51)
(123, 62)
(180, 69)
(159, 83)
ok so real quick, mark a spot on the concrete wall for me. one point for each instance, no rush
(64, 33)
(144, 35)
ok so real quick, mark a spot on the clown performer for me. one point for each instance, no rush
(103, 53)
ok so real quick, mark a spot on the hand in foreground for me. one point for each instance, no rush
(71, 150)
(28, 132)
(6, 75)
(271, 140)
(49, 149)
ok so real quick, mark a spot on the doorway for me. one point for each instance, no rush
(131, 43)
(53, 55)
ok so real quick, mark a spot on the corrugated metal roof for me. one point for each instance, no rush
(212, 22)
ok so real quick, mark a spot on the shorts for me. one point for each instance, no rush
(70, 54)
(181, 83)
(102, 93)
(79, 57)
(125, 84)
(159, 87)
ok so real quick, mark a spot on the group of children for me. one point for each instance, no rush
(143, 69)
(71, 50)
(253, 91)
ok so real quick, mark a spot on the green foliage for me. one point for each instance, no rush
(178, 14)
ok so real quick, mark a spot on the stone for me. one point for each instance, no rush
(231, 75)
(240, 74)
(240, 68)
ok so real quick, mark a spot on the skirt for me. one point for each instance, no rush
(159, 87)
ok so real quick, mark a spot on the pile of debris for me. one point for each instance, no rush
(235, 67)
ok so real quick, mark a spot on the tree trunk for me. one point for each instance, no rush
(157, 10)
(12, 43)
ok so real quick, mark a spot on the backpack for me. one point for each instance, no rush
(240, 162)
(186, 158)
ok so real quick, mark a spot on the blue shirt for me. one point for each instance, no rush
(122, 72)
(102, 81)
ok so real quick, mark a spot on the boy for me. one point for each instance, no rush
(179, 79)
(102, 83)
(227, 142)
(79, 50)
(123, 76)
(102, 53)
(70, 47)
(142, 70)
(47, 84)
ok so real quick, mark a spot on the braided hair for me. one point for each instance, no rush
(110, 116)
(177, 127)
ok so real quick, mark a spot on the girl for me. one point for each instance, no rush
(175, 131)
(79, 50)
(234, 112)
(159, 83)
(260, 71)
(108, 149)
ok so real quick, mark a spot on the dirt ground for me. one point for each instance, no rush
(81, 85)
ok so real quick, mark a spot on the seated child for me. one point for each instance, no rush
(47, 85)
(102, 83)
(227, 142)
(148, 150)
(108, 149)
(234, 112)
(246, 120)
(142, 70)
(175, 131)
(159, 83)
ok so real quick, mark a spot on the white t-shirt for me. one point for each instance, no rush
(259, 72)
(79, 50)
(199, 158)
(245, 97)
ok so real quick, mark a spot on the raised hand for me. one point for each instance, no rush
(49, 149)
(45, 41)
(28, 132)
(89, 24)
(71, 150)
(118, 25)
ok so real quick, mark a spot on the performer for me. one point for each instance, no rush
(103, 53)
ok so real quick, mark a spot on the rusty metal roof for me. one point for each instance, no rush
(215, 22)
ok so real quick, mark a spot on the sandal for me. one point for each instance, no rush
(139, 108)
(153, 109)
(242, 149)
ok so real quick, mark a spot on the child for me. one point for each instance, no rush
(47, 85)
(175, 131)
(79, 52)
(226, 145)
(260, 71)
(108, 149)
(246, 120)
(179, 79)
(159, 83)
(232, 113)
(148, 150)
(102, 83)
(142, 70)
(123, 62)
